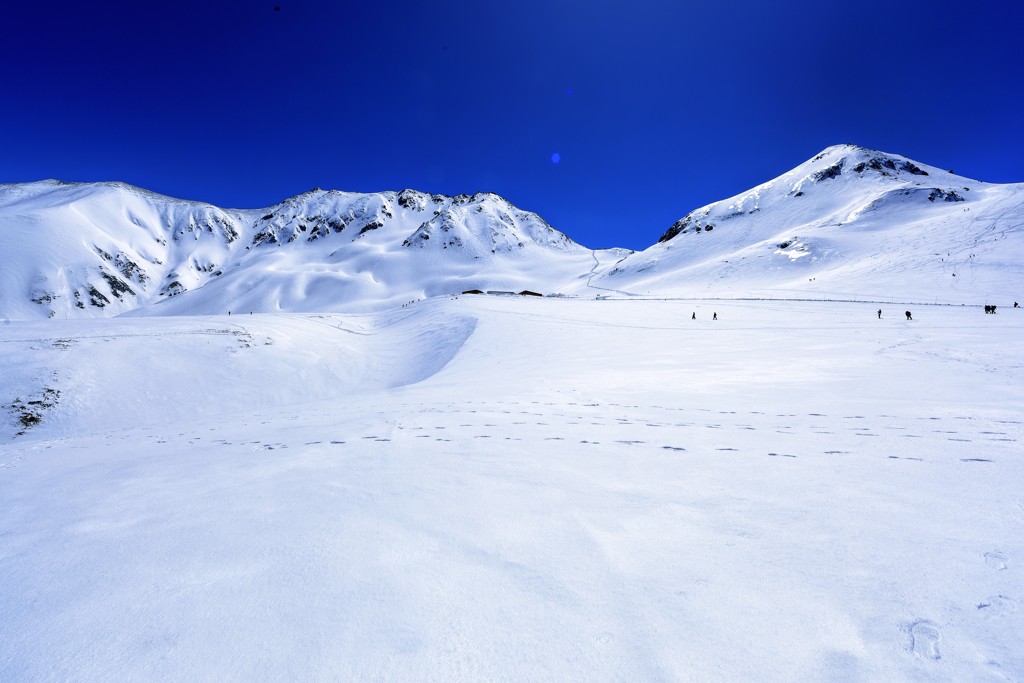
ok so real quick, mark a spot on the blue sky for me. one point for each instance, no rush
(651, 109)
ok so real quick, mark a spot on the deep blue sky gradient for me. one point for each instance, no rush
(653, 108)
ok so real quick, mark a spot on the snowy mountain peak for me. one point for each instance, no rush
(849, 222)
(846, 169)
(97, 249)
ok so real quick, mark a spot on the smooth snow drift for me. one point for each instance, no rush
(493, 488)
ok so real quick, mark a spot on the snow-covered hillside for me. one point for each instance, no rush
(849, 223)
(101, 249)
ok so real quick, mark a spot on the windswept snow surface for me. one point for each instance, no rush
(495, 488)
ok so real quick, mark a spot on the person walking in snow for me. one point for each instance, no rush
(879, 313)
(714, 316)
(694, 316)
(908, 316)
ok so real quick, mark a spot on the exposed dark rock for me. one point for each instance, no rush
(173, 289)
(833, 171)
(117, 285)
(677, 227)
(885, 164)
(372, 225)
(266, 236)
(944, 195)
(96, 298)
(130, 269)
(31, 413)
(910, 167)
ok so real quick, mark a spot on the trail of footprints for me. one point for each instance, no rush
(577, 423)
(925, 636)
(538, 420)
(700, 431)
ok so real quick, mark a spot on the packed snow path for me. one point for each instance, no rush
(506, 489)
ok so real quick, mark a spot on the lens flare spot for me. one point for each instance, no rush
(556, 157)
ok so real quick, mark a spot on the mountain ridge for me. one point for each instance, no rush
(850, 222)
(101, 248)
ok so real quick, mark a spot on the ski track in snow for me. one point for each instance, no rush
(547, 490)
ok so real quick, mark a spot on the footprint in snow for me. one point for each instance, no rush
(924, 639)
(997, 604)
(996, 559)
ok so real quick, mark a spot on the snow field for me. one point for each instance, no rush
(509, 489)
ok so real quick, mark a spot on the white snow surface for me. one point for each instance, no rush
(499, 488)
(359, 475)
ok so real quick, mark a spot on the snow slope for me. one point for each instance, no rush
(850, 223)
(101, 249)
(488, 488)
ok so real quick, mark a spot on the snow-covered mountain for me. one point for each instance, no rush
(849, 223)
(100, 249)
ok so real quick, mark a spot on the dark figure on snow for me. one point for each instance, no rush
(694, 316)
(1016, 305)
(908, 316)
(879, 313)
(714, 316)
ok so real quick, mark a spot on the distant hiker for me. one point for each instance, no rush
(879, 313)
(908, 316)
(694, 316)
(714, 316)
(1016, 305)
